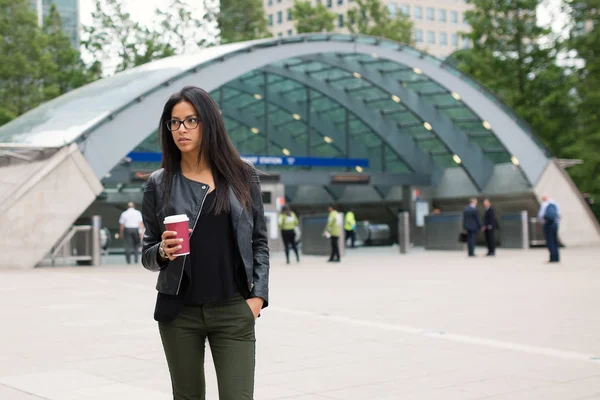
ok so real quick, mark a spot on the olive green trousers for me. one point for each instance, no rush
(229, 328)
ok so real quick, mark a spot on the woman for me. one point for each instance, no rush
(288, 223)
(217, 291)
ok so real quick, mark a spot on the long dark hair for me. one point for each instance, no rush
(228, 169)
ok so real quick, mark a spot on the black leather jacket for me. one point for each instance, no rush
(249, 227)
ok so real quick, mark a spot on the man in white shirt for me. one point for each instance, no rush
(550, 214)
(132, 231)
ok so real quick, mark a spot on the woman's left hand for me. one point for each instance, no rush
(255, 304)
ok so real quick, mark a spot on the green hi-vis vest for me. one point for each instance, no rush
(349, 221)
(288, 222)
(332, 226)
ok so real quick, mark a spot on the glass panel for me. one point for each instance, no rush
(436, 146)
(445, 161)
(388, 44)
(499, 158)
(63, 119)
(342, 38)
(489, 142)
(366, 40)
(308, 66)
(396, 166)
(317, 38)
(331, 73)
(375, 160)
(460, 113)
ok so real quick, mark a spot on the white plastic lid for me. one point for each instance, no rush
(173, 219)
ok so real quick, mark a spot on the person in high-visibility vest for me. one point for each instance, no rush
(288, 223)
(333, 230)
(350, 227)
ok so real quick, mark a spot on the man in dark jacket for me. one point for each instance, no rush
(490, 224)
(472, 225)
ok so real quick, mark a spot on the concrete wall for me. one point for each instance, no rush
(44, 206)
(578, 226)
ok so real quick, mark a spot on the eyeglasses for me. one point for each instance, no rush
(189, 123)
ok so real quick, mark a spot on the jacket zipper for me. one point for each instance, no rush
(193, 227)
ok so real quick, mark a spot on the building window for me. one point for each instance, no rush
(418, 36)
(393, 9)
(405, 9)
(290, 32)
(270, 3)
(280, 34)
(289, 14)
(279, 17)
(270, 19)
(443, 39)
(454, 17)
(442, 15)
(466, 43)
(340, 2)
(464, 19)
(329, 3)
(418, 12)
(431, 37)
(454, 40)
(279, 1)
(340, 20)
(430, 14)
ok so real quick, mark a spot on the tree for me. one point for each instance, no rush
(184, 31)
(66, 71)
(113, 35)
(585, 41)
(510, 56)
(116, 37)
(241, 20)
(372, 17)
(23, 61)
(309, 19)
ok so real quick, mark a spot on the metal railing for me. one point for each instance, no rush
(81, 245)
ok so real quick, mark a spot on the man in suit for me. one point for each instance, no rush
(550, 214)
(472, 225)
(490, 224)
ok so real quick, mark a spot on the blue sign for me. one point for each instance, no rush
(283, 161)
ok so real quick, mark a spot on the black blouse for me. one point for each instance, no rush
(214, 272)
(214, 257)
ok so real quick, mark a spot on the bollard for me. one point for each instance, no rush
(524, 230)
(403, 232)
(96, 226)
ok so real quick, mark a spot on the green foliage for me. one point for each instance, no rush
(309, 19)
(509, 58)
(372, 17)
(585, 41)
(66, 71)
(115, 36)
(23, 59)
(41, 64)
(241, 20)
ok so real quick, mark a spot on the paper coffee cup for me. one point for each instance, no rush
(180, 224)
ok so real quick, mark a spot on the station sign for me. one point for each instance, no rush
(283, 161)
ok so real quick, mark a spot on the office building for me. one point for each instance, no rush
(437, 23)
(69, 13)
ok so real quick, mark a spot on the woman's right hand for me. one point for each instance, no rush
(170, 244)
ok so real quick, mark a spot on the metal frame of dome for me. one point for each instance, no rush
(96, 116)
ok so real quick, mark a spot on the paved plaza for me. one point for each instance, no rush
(378, 326)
